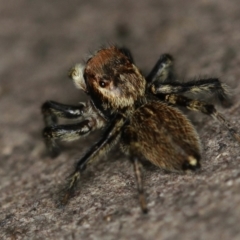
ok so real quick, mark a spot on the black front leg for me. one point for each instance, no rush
(69, 132)
(52, 110)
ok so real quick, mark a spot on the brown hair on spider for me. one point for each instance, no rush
(135, 111)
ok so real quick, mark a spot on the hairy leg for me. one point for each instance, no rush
(128, 53)
(138, 174)
(162, 71)
(209, 109)
(69, 132)
(52, 110)
(108, 140)
(207, 86)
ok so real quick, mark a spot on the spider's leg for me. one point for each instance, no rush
(51, 110)
(200, 106)
(108, 140)
(135, 156)
(128, 53)
(207, 86)
(138, 174)
(69, 132)
(162, 71)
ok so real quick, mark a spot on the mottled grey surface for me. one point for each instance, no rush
(39, 41)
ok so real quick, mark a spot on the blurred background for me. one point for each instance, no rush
(39, 42)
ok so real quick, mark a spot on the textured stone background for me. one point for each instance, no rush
(39, 41)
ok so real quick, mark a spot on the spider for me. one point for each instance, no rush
(135, 111)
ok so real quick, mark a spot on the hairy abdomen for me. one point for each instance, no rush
(164, 136)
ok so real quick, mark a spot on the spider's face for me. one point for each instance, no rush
(112, 80)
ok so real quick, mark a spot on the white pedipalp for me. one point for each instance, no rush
(76, 74)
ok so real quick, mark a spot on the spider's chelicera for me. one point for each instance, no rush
(134, 111)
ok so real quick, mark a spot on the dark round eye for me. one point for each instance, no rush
(102, 83)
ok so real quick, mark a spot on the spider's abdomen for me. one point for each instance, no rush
(164, 136)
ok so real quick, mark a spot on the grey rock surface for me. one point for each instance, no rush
(39, 42)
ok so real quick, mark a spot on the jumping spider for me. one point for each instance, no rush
(135, 111)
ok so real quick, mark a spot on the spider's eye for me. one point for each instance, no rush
(102, 84)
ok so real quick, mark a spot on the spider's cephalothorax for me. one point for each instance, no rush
(134, 111)
(113, 81)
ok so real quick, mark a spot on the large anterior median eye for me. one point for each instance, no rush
(103, 83)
